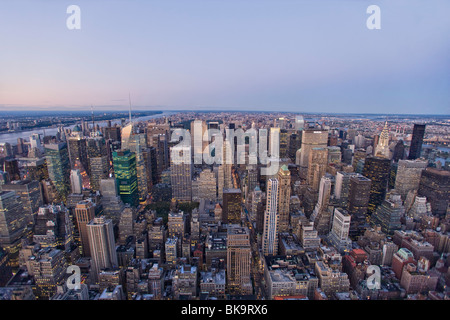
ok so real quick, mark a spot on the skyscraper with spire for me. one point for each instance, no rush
(382, 148)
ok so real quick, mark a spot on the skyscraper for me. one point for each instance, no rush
(102, 245)
(389, 213)
(181, 172)
(317, 167)
(377, 169)
(408, 176)
(238, 261)
(271, 220)
(76, 184)
(84, 213)
(284, 197)
(58, 167)
(312, 138)
(358, 201)
(322, 213)
(338, 236)
(232, 206)
(435, 185)
(382, 148)
(416, 141)
(124, 163)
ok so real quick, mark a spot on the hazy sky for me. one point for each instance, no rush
(286, 55)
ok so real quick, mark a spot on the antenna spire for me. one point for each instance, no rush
(129, 99)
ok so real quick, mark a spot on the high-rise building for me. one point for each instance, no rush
(377, 169)
(317, 166)
(58, 167)
(389, 213)
(76, 183)
(102, 245)
(53, 227)
(239, 261)
(124, 163)
(84, 213)
(408, 176)
(207, 185)
(232, 206)
(322, 213)
(12, 225)
(382, 148)
(342, 187)
(358, 202)
(30, 195)
(284, 197)
(126, 224)
(271, 220)
(111, 201)
(338, 236)
(416, 141)
(181, 172)
(435, 185)
(76, 145)
(312, 138)
(137, 143)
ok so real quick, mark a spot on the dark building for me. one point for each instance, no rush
(358, 202)
(416, 141)
(378, 170)
(435, 185)
(232, 206)
(399, 151)
(125, 172)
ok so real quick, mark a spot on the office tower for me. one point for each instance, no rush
(207, 185)
(137, 144)
(111, 201)
(416, 141)
(53, 227)
(295, 143)
(156, 281)
(271, 219)
(232, 206)
(225, 179)
(5, 150)
(239, 261)
(198, 130)
(284, 197)
(399, 151)
(359, 154)
(171, 250)
(389, 213)
(358, 202)
(48, 267)
(389, 249)
(30, 196)
(419, 208)
(312, 138)
(58, 167)
(377, 169)
(102, 245)
(113, 133)
(342, 187)
(126, 224)
(176, 225)
(283, 143)
(408, 176)
(5, 269)
(98, 160)
(152, 168)
(124, 163)
(321, 215)
(35, 168)
(317, 167)
(76, 183)
(435, 185)
(181, 173)
(334, 154)
(252, 178)
(382, 148)
(12, 225)
(77, 152)
(84, 213)
(49, 192)
(11, 166)
(35, 142)
(340, 229)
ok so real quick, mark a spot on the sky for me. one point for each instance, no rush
(256, 55)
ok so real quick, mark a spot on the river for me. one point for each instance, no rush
(11, 137)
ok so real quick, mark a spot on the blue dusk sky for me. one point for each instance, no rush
(256, 55)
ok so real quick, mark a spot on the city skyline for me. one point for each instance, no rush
(291, 56)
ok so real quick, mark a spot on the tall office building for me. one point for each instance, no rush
(377, 169)
(76, 145)
(126, 224)
(358, 202)
(232, 206)
(435, 185)
(239, 261)
(389, 213)
(312, 138)
(102, 245)
(207, 185)
(111, 201)
(317, 167)
(342, 187)
(416, 141)
(408, 176)
(137, 143)
(181, 173)
(12, 225)
(58, 167)
(53, 227)
(84, 213)
(322, 213)
(76, 183)
(340, 229)
(98, 160)
(30, 196)
(271, 219)
(382, 148)
(124, 163)
(284, 197)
